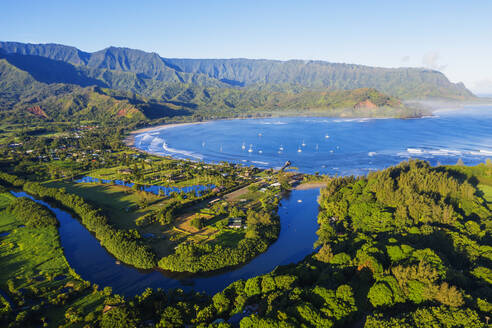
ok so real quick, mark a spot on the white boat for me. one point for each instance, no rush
(260, 151)
(303, 144)
(203, 144)
(299, 150)
(243, 147)
(281, 148)
(327, 136)
(250, 150)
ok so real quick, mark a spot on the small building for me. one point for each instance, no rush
(235, 223)
(125, 171)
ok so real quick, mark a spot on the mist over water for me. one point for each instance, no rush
(331, 145)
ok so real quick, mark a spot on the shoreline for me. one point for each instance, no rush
(129, 140)
(310, 185)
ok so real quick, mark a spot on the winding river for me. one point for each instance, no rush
(297, 211)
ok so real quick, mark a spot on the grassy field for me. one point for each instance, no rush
(483, 175)
(121, 204)
(150, 176)
(34, 268)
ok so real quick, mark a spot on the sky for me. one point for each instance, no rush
(454, 37)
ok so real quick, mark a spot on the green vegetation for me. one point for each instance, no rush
(407, 246)
(419, 236)
(124, 245)
(31, 214)
(41, 286)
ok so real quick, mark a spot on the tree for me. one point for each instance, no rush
(324, 254)
(119, 317)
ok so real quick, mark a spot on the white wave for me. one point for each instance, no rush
(146, 137)
(445, 152)
(345, 120)
(180, 152)
(482, 152)
(274, 123)
(156, 141)
(260, 162)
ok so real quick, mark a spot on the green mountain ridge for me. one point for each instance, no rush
(24, 96)
(107, 65)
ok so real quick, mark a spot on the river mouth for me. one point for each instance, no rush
(343, 146)
(93, 263)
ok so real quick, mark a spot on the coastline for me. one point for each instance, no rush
(129, 140)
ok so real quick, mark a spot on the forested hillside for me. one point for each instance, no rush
(141, 72)
(34, 92)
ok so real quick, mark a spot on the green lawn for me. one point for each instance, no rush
(32, 260)
(229, 238)
(119, 203)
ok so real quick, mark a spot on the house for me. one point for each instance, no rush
(235, 223)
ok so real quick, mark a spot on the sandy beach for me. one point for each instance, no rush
(130, 139)
(311, 185)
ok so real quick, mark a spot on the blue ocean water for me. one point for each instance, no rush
(331, 145)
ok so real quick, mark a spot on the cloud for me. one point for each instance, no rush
(431, 60)
(405, 59)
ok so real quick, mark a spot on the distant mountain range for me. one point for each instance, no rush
(139, 85)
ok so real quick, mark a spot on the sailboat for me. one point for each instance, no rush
(260, 151)
(317, 147)
(203, 144)
(327, 136)
(250, 150)
(243, 147)
(281, 148)
(299, 150)
(303, 144)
